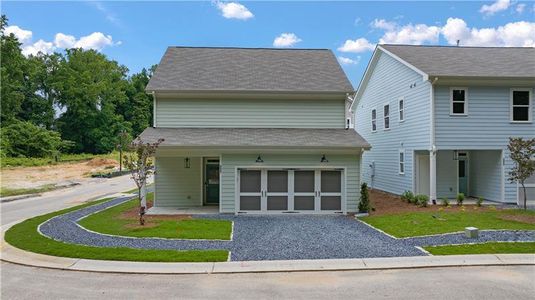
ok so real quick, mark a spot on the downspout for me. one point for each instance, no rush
(433, 148)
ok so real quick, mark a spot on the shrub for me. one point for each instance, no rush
(421, 200)
(460, 199)
(479, 201)
(364, 204)
(445, 202)
(407, 196)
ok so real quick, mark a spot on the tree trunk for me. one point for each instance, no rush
(525, 196)
(143, 203)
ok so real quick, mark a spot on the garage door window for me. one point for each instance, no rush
(304, 190)
(331, 190)
(277, 190)
(250, 190)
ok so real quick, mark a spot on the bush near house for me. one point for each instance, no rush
(407, 196)
(460, 199)
(364, 204)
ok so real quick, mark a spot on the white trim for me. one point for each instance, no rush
(465, 89)
(502, 188)
(401, 151)
(401, 111)
(372, 119)
(530, 105)
(220, 188)
(384, 117)
(153, 109)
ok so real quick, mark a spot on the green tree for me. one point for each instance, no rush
(12, 75)
(138, 110)
(522, 153)
(89, 87)
(24, 139)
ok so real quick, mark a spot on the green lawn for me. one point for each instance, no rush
(6, 192)
(423, 223)
(25, 236)
(110, 221)
(485, 248)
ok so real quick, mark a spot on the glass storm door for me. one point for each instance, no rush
(211, 183)
(463, 174)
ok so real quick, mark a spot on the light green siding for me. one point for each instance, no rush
(266, 113)
(231, 161)
(175, 185)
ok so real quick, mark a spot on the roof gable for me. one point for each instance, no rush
(249, 69)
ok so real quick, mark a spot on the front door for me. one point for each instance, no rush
(463, 174)
(422, 174)
(211, 182)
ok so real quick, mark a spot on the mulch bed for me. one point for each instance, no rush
(133, 214)
(389, 204)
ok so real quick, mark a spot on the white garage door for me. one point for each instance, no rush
(278, 190)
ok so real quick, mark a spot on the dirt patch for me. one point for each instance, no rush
(528, 219)
(32, 177)
(389, 204)
(133, 214)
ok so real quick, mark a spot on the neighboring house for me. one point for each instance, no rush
(439, 119)
(254, 130)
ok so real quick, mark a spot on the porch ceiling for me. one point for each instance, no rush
(255, 137)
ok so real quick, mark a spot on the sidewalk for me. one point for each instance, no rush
(17, 256)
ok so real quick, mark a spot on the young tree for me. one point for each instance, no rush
(364, 204)
(522, 153)
(140, 164)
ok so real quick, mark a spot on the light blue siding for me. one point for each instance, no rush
(486, 127)
(485, 174)
(175, 185)
(389, 81)
(446, 175)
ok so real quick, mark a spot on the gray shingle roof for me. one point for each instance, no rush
(255, 137)
(249, 69)
(468, 61)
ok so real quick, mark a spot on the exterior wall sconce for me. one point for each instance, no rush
(259, 159)
(187, 163)
(324, 159)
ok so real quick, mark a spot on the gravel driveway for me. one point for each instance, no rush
(275, 237)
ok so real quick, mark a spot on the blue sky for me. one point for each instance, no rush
(136, 34)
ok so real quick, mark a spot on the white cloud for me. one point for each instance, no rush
(383, 24)
(108, 14)
(499, 5)
(411, 34)
(39, 46)
(348, 61)
(96, 41)
(286, 40)
(356, 46)
(64, 41)
(516, 34)
(234, 10)
(520, 8)
(24, 36)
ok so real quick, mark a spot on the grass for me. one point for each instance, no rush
(6, 192)
(484, 248)
(7, 162)
(423, 223)
(112, 221)
(25, 236)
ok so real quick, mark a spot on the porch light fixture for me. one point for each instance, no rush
(324, 159)
(259, 159)
(187, 163)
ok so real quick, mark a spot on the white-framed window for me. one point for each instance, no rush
(459, 101)
(401, 161)
(401, 107)
(386, 114)
(521, 105)
(374, 120)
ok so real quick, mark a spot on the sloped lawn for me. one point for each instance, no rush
(123, 220)
(484, 248)
(25, 236)
(437, 221)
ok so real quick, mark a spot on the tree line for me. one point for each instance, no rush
(76, 101)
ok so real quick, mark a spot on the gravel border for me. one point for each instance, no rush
(275, 237)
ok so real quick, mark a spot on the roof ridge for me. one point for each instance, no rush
(453, 46)
(248, 48)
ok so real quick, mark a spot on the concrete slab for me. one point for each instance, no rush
(431, 261)
(18, 256)
(141, 267)
(289, 266)
(516, 258)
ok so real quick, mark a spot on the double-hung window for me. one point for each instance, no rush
(401, 104)
(387, 116)
(374, 120)
(521, 105)
(401, 161)
(459, 101)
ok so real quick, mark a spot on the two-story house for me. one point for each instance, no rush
(254, 131)
(439, 119)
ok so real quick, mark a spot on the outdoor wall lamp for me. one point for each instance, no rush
(259, 159)
(187, 163)
(324, 159)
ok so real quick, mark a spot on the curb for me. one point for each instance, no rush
(21, 257)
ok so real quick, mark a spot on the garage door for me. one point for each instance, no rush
(279, 191)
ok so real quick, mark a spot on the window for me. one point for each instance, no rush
(387, 116)
(401, 110)
(374, 120)
(401, 161)
(458, 101)
(520, 105)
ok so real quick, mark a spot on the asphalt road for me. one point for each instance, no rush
(55, 200)
(19, 282)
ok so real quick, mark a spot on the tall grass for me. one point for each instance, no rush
(8, 162)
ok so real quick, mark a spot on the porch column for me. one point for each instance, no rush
(432, 176)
